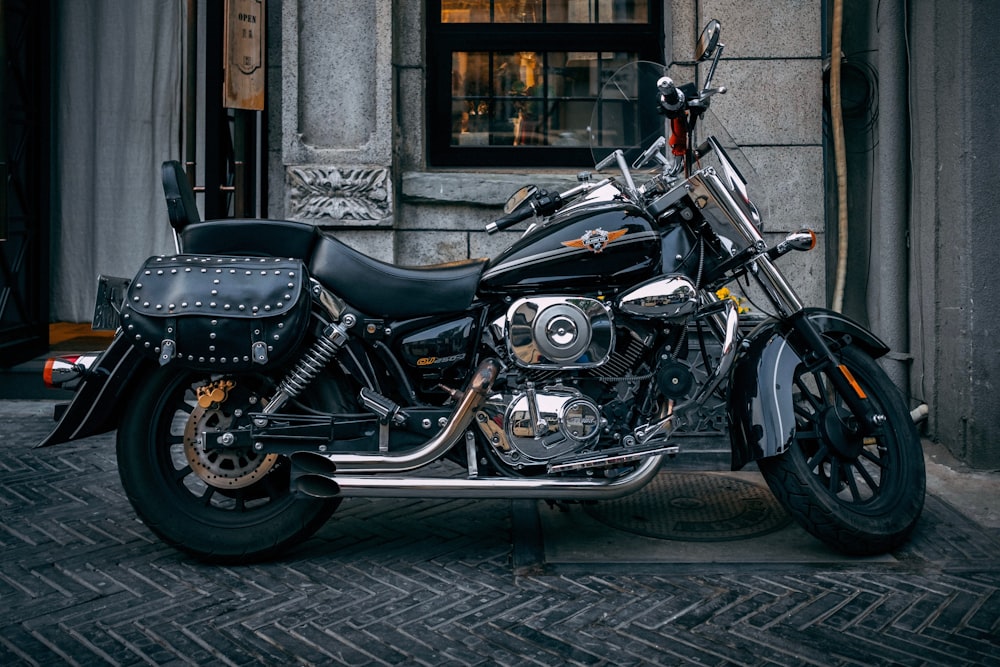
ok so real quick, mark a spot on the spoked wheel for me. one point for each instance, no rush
(861, 494)
(219, 504)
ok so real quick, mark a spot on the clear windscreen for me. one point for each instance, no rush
(626, 116)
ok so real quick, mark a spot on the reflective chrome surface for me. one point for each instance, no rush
(665, 297)
(559, 332)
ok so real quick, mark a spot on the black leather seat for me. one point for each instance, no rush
(275, 238)
(376, 288)
(390, 291)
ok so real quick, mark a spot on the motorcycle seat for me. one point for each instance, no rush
(387, 290)
(271, 238)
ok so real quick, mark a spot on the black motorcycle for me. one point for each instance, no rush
(266, 370)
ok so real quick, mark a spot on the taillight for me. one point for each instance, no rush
(66, 369)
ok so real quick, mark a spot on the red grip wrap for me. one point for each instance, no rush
(678, 136)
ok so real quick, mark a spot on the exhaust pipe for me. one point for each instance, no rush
(329, 485)
(479, 387)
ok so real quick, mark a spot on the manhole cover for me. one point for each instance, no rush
(694, 507)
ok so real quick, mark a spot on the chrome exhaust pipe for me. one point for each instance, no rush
(332, 486)
(430, 451)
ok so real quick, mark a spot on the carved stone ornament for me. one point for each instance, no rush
(362, 195)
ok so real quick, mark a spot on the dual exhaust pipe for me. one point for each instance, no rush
(342, 475)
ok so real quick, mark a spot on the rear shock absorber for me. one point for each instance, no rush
(312, 362)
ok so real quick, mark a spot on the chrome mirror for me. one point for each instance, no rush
(708, 41)
(518, 198)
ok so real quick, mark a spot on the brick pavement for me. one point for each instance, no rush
(402, 582)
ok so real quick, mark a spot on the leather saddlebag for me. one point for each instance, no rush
(217, 313)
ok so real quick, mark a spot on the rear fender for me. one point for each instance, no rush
(761, 413)
(96, 407)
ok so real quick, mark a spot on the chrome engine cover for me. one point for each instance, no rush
(529, 428)
(664, 297)
(559, 332)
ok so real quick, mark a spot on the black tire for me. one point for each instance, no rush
(860, 495)
(231, 506)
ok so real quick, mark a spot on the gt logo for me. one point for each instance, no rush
(595, 240)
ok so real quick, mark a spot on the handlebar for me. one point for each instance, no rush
(510, 219)
(671, 97)
(542, 202)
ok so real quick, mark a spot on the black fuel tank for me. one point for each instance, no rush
(588, 248)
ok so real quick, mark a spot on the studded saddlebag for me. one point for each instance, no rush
(217, 313)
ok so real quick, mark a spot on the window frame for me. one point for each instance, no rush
(646, 40)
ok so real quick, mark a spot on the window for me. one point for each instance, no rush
(513, 82)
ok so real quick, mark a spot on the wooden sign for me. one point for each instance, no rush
(243, 51)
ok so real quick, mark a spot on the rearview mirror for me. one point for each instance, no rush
(708, 41)
(519, 198)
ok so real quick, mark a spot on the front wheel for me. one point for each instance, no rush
(860, 494)
(220, 505)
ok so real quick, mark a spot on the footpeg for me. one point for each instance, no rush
(387, 409)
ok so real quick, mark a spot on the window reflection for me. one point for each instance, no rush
(527, 98)
(544, 11)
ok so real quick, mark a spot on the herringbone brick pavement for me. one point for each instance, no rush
(403, 582)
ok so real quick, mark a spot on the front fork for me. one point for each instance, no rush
(815, 350)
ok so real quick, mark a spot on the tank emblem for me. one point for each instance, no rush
(596, 240)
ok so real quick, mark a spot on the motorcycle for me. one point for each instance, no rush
(267, 371)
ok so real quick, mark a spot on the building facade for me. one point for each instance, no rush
(374, 130)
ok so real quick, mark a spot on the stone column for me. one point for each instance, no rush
(336, 119)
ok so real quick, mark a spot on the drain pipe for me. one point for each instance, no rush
(888, 294)
(839, 153)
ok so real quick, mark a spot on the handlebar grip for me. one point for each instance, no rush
(509, 220)
(671, 97)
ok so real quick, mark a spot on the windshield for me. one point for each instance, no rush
(626, 117)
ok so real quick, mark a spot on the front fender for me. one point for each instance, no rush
(96, 406)
(761, 413)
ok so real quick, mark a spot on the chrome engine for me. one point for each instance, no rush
(533, 427)
(558, 333)
(552, 342)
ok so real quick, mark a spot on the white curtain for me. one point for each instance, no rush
(118, 88)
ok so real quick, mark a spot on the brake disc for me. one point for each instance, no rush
(233, 468)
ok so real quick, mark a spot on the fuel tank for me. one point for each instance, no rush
(605, 246)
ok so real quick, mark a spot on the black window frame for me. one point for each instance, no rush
(645, 40)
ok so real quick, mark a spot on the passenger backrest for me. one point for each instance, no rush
(182, 208)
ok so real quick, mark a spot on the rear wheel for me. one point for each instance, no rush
(861, 494)
(221, 505)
